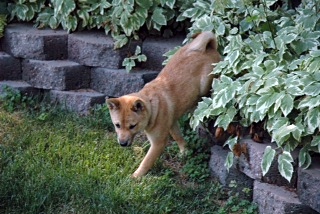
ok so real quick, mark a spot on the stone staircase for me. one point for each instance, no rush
(77, 70)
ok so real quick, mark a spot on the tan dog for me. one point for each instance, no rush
(157, 107)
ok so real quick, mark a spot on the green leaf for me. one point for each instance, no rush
(266, 101)
(285, 165)
(128, 63)
(121, 40)
(304, 157)
(142, 58)
(53, 22)
(170, 3)
(314, 66)
(283, 133)
(231, 142)
(286, 104)
(229, 160)
(312, 89)
(204, 23)
(191, 12)
(313, 119)
(233, 57)
(267, 159)
(316, 142)
(305, 102)
(144, 3)
(221, 29)
(223, 120)
(158, 16)
(298, 132)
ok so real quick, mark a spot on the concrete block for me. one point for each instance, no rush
(96, 49)
(115, 83)
(250, 164)
(17, 86)
(80, 101)
(309, 185)
(278, 200)
(155, 47)
(25, 41)
(225, 177)
(10, 67)
(58, 75)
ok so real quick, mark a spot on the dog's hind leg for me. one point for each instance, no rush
(176, 134)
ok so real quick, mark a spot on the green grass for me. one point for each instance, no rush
(53, 161)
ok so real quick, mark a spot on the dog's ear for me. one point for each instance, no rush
(138, 106)
(113, 103)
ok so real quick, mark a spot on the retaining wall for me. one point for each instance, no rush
(79, 70)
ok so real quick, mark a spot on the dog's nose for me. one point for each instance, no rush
(124, 143)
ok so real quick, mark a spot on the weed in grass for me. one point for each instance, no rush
(11, 99)
(53, 161)
(198, 154)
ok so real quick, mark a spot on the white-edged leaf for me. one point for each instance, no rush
(312, 89)
(313, 119)
(266, 101)
(170, 3)
(283, 133)
(285, 165)
(286, 104)
(231, 142)
(304, 158)
(267, 159)
(229, 160)
(158, 16)
(316, 142)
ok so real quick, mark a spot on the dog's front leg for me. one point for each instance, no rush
(153, 154)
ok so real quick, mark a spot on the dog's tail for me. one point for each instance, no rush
(203, 41)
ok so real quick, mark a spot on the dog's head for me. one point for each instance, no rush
(129, 116)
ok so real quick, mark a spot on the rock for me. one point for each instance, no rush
(80, 101)
(278, 200)
(25, 41)
(309, 185)
(115, 83)
(10, 67)
(96, 49)
(57, 75)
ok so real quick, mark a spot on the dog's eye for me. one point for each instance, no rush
(117, 125)
(132, 126)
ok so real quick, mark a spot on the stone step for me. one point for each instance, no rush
(155, 47)
(17, 86)
(80, 101)
(309, 185)
(25, 41)
(96, 49)
(118, 82)
(225, 177)
(10, 67)
(278, 200)
(56, 75)
(250, 164)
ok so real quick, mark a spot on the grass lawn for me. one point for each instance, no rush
(52, 161)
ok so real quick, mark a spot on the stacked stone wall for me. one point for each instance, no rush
(79, 70)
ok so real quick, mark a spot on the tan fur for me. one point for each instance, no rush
(157, 107)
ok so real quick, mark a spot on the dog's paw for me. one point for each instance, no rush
(183, 153)
(137, 174)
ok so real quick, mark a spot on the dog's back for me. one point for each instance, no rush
(186, 78)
